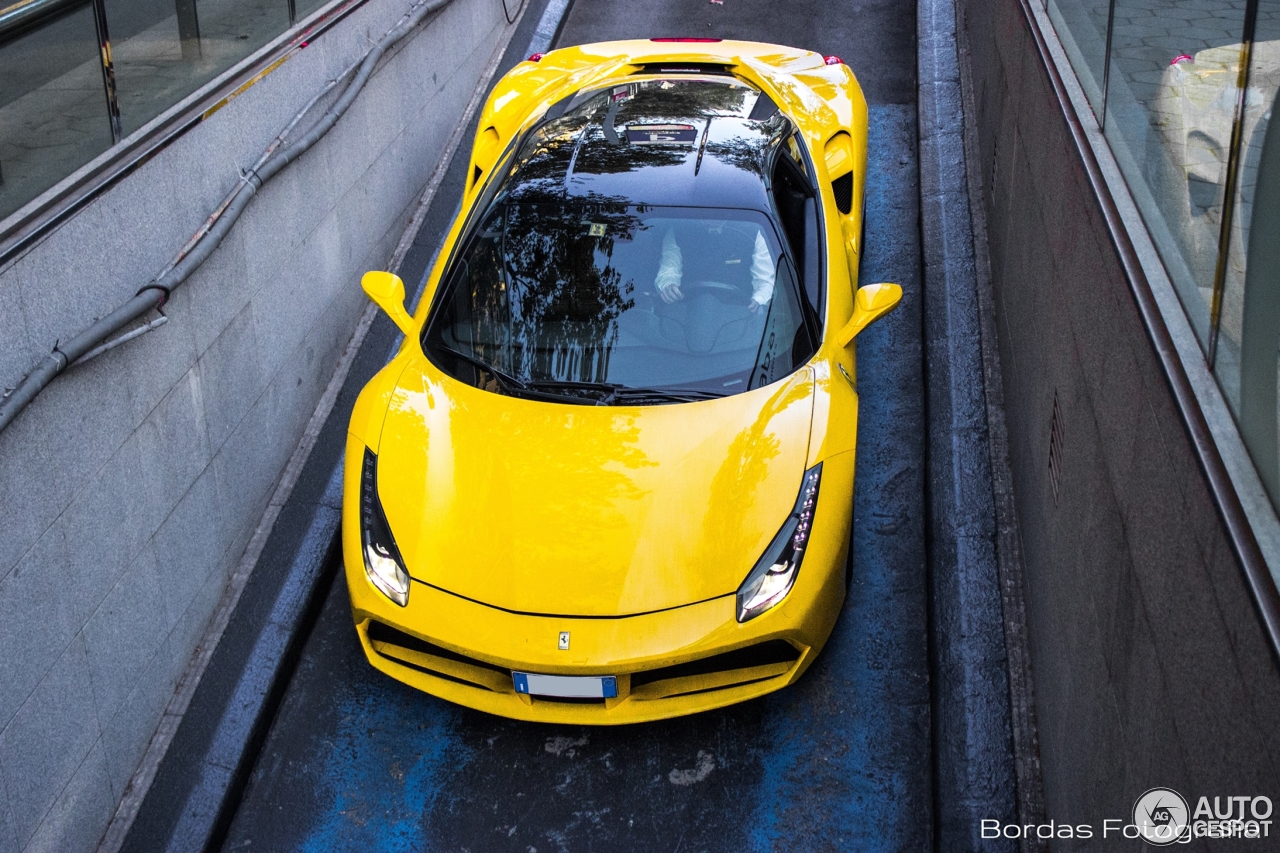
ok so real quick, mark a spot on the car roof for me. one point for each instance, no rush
(663, 140)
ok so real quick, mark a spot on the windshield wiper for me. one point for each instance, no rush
(508, 382)
(672, 395)
(543, 390)
(614, 393)
(573, 385)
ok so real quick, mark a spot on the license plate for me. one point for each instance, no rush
(566, 686)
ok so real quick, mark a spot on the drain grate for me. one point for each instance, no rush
(1055, 447)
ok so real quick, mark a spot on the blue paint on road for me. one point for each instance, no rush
(384, 807)
(846, 758)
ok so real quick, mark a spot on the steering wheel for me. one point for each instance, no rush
(726, 293)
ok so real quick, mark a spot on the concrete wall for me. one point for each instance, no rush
(1149, 660)
(131, 487)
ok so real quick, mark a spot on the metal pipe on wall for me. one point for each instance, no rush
(154, 294)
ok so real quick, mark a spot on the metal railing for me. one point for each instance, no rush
(27, 15)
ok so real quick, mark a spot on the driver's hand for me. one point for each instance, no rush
(670, 294)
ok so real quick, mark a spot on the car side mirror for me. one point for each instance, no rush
(870, 303)
(387, 292)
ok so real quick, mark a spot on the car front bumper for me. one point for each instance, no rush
(667, 664)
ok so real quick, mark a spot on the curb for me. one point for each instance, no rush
(975, 773)
(1026, 742)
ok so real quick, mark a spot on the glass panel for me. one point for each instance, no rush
(53, 109)
(1249, 331)
(302, 8)
(166, 49)
(604, 298)
(1082, 28)
(1170, 106)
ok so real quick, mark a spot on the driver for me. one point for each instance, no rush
(725, 253)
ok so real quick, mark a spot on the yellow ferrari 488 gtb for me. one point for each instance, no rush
(609, 475)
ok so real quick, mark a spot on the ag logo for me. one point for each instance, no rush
(1161, 816)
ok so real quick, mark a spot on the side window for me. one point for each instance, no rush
(798, 212)
(786, 343)
(793, 151)
(789, 194)
(813, 290)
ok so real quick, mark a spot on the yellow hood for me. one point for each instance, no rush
(587, 510)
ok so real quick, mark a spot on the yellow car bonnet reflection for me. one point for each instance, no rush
(588, 510)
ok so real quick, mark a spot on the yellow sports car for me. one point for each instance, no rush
(609, 475)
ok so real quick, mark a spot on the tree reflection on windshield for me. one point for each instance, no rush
(566, 294)
(560, 299)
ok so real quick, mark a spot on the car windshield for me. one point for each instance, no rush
(612, 303)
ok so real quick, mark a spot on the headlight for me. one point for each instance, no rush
(775, 573)
(382, 561)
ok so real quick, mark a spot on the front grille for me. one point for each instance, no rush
(738, 668)
(761, 654)
(408, 650)
(387, 634)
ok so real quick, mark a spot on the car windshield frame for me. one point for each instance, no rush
(497, 184)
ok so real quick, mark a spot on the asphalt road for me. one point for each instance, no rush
(839, 761)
